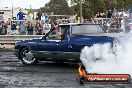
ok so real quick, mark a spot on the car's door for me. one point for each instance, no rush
(53, 47)
(82, 35)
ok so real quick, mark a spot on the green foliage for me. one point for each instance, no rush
(58, 7)
(74, 2)
(91, 7)
(88, 10)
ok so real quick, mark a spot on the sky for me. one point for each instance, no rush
(35, 4)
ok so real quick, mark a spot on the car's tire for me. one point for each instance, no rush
(27, 57)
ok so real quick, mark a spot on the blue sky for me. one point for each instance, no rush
(36, 4)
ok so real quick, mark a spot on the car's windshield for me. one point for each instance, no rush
(87, 29)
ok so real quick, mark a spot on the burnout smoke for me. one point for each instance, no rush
(100, 58)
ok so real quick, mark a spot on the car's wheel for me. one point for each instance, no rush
(27, 57)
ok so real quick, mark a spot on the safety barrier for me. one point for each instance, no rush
(12, 39)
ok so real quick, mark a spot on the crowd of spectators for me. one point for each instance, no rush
(114, 20)
(19, 26)
(22, 27)
(114, 25)
(42, 24)
(114, 13)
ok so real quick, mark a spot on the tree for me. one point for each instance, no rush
(31, 11)
(87, 10)
(58, 7)
(91, 7)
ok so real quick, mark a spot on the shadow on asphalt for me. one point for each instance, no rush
(55, 65)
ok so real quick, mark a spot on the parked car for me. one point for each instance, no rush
(61, 44)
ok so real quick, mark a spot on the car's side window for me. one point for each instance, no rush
(64, 31)
(58, 34)
(52, 35)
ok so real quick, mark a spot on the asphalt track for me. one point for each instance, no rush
(13, 74)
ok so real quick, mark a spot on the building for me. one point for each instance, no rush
(7, 12)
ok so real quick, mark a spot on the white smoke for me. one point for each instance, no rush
(100, 58)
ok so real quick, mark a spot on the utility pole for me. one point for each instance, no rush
(94, 7)
(80, 11)
(12, 8)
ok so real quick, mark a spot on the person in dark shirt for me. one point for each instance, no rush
(13, 28)
(1, 28)
(30, 28)
(109, 14)
(2, 16)
(38, 28)
(39, 15)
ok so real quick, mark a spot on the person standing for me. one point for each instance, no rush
(130, 12)
(115, 13)
(13, 28)
(20, 15)
(1, 28)
(22, 28)
(1, 16)
(109, 14)
(38, 28)
(39, 15)
(30, 28)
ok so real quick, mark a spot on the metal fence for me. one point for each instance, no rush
(24, 27)
(39, 27)
(115, 25)
(12, 39)
(12, 31)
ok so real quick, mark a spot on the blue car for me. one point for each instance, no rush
(62, 43)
